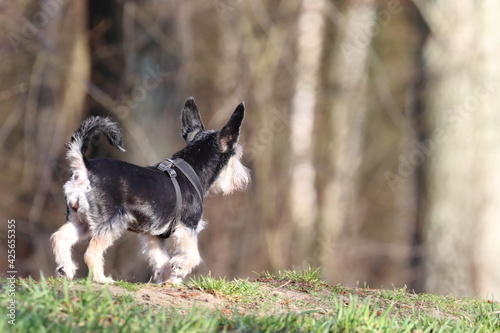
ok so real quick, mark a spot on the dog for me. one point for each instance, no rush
(106, 197)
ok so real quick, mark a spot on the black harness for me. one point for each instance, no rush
(168, 166)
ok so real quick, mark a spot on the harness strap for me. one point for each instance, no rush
(189, 173)
(167, 166)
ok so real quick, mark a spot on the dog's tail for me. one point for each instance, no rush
(80, 140)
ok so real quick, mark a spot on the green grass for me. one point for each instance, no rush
(235, 290)
(273, 303)
(128, 285)
(310, 275)
(58, 306)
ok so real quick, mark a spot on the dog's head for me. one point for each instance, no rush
(216, 154)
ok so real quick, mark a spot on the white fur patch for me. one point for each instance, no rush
(75, 190)
(94, 256)
(201, 226)
(186, 252)
(155, 250)
(158, 258)
(74, 155)
(235, 176)
(78, 185)
(62, 242)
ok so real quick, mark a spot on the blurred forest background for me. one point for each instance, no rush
(372, 129)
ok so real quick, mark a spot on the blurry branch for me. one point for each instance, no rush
(16, 89)
(45, 175)
(129, 48)
(30, 117)
(12, 120)
(100, 96)
(230, 79)
(275, 41)
(185, 36)
(384, 93)
(152, 28)
(128, 122)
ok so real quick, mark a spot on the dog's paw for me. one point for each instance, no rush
(60, 271)
(182, 265)
(176, 280)
(104, 280)
(177, 265)
(68, 273)
(162, 275)
(178, 269)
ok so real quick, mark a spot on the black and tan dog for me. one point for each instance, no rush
(106, 197)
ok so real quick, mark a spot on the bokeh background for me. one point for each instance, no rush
(372, 129)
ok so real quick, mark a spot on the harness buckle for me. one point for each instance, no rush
(167, 166)
(171, 172)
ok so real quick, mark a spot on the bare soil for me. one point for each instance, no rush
(278, 297)
(275, 297)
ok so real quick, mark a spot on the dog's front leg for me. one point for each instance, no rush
(186, 255)
(154, 249)
(94, 257)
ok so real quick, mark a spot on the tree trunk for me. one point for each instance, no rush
(345, 98)
(303, 201)
(462, 233)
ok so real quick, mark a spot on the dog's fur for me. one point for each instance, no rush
(105, 197)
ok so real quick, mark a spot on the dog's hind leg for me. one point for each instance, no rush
(186, 255)
(154, 249)
(94, 256)
(62, 242)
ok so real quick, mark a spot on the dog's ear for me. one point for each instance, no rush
(191, 121)
(230, 133)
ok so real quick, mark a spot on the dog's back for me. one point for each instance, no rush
(143, 195)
